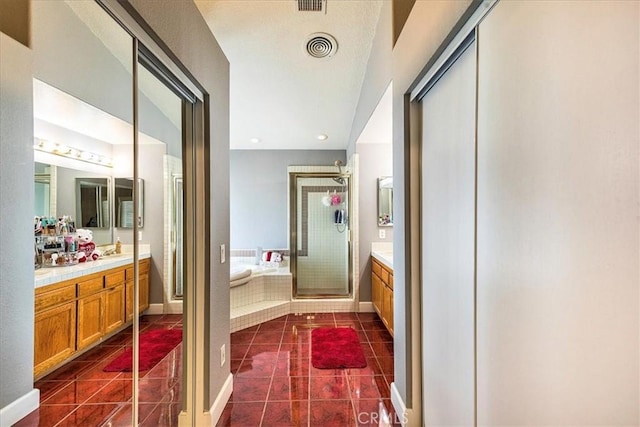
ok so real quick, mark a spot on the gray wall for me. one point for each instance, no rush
(259, 191)
(181, 27)
(425, 29)
(16, 228)
(375, 161)
(70, 57)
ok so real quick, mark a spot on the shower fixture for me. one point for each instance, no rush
(340, 180)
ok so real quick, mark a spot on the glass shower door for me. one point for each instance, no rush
(320, 238)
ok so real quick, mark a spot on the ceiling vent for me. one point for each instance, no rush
(310, 5)
(321, 45)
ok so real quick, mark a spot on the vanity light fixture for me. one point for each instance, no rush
(71, 153)
(322, 137)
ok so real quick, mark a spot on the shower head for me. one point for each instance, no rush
(338, 179)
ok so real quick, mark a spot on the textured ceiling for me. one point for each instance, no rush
(280, 94)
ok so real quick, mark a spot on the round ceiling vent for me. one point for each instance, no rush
(321, 45)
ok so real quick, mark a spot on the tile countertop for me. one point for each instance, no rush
(48, 275)
(383, 252)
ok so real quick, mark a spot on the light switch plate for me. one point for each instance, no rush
(382, 233)
(223, 254)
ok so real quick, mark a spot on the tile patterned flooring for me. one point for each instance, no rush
(275, 383)
(81, 394)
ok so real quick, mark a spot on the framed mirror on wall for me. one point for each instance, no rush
(385, 201)
(123, 199)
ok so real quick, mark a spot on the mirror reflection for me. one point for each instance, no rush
(92, 202)
(385, 201)
(123, 199)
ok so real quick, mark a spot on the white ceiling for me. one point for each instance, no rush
(379, 127)
(279, 93)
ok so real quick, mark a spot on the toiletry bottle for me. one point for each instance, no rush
(118, 246)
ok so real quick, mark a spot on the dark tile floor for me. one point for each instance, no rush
(275, 383)
(81, 394)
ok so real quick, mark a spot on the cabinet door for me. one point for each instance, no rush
(376, 293)
(129, 300)
(113, 308)
(144, 292)
(387, 307)
(54, 336)
(90, 319)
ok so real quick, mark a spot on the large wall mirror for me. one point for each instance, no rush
(385, 201)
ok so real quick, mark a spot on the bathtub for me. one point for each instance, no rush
(257, 292)
(242, 273)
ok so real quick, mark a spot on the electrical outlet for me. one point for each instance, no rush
(223, 355)
(139, 235)
(223, 254)
(382, 233)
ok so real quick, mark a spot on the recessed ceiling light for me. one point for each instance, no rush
(322, 137)
(255, 140)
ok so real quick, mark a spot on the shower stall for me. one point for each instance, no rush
(320, 234)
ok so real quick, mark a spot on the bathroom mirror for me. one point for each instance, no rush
(385, 201)
(93, 203)
(123, 198)
(45, 194)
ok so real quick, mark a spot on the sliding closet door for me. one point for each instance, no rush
(558, 251)
(448, 216)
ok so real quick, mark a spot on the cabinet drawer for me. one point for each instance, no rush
(390, 283)
(376, 267)
(384, 275)
(89, 287)
(55, 297)
(114, 278)
(143, 266)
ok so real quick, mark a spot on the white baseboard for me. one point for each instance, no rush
(366, 307)
(406, 417)
(173, 307)
(155, 309)
(221, 401)
(19, 408)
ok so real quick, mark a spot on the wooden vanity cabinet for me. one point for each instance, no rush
(90, 310)
(55, 325)
(114, 300)
(74, 315)
(143, 290)
(382, 292)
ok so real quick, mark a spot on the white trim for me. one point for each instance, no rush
(221, 401)
(155, 309)
(173, 307)
(366, 307)
(19, 408)
(466, 29)
(405, 416)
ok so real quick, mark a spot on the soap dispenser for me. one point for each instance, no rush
(118, 246)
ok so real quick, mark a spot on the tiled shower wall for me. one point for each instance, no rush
(322, 245)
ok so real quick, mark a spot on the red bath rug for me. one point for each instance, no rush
(336, 348)
(154, 346)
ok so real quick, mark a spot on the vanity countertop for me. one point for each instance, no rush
(47, 276)
(383, 252)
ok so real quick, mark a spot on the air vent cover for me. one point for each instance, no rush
(321, 45)
(310, 5)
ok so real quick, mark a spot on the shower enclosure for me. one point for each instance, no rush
(320, 235)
